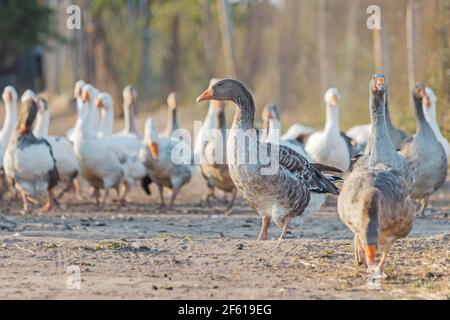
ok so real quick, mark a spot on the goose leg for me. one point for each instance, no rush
(49, 205)
(161, 195)
(175, 192)
(359, 253)
(383, 259)
(96, 194)
(210, 194)
(77, 188)
(105, 196)
(265, 226)
(123, 198)
(424, 205)
(26, 208)
(66, 189)
(285, 228)
(231, 204)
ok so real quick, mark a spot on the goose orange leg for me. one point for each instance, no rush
(264, 228)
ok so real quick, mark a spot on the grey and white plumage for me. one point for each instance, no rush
(297, 188)
(425, 155)
(214, 166)
(29, 163)
(66, 161)
(375, 201)
(159, 157)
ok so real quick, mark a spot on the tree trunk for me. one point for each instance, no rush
(171, 58)
(226, 24)
(146, 41)
(411, 44)
(323, 44)
(105, 75)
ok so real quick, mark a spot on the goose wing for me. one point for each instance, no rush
(310, 174)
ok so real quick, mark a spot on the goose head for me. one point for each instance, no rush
(419, 91)
(332, 97)
(129, 95)
(429, 100)
(88, 93)
(27, 117)
(228, 90)
(104, 101)
(27, 95)
(172, 101)
(377, 84)
(270, 112)
(151, 137)
(42, 105)
(78, 88)
(9, 95)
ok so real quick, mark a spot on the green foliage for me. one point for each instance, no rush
(25, 24)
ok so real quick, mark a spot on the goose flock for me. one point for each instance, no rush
(382, 177)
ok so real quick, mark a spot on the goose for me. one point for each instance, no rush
(101, 165)
(425, 155)
(206, 129)
(429, 109)
(272, 125)
(129, 95)
(66, 161)
(329, 146)
(214, 167)
(77, 95)
(158, 156)
(172, 121)
(125, 143)
(290, 186)
(375, 201)
(29, 162)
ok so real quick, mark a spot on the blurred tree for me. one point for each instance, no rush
(23, 25)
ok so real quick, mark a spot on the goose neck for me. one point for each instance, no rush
(129, 119)
(107, 121)
(380, 145)
(10, 121)
(42, 123)
(332, 119)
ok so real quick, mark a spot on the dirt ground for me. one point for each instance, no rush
(190, 252)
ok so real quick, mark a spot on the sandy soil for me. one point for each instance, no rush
(192, 252)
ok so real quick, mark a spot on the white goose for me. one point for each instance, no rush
(66, 161)
(79, 102)
(129, 144)
(206, 130)
(29, 162)
(100, 164)
(329, 146)
(294, 187)
(429, 109)
(158, 156)
(172, 121)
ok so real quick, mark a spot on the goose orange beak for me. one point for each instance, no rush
(427, 101)
(154, 150)
(334, 100)
(85, 96)
(99, 103)
(379, 82)
(8, 95)
(207, 95)
(371, 254)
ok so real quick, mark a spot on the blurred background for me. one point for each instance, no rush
(285, 51)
